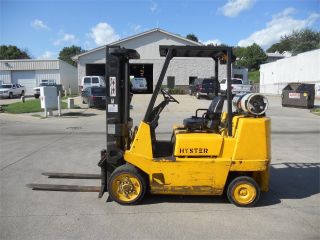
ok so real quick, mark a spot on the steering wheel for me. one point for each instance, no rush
(168, 97)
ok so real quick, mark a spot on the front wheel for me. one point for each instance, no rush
(127, 185)
(243, 191)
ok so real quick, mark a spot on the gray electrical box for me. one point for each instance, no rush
(48, 97)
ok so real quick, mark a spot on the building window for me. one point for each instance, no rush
(191, 79)
(238, 76)
(48, 82)
(170, 82)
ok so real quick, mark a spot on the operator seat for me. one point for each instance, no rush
(210, 120)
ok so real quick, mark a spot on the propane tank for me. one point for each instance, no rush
(252, 103)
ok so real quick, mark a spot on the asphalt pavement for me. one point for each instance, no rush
(72, 143)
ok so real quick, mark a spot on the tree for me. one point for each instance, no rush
(68, 52)
(250, 57)
(12, 52)
(297, 42)
(192, 37)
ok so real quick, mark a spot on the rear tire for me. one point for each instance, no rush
(243, 191)
(127, 185)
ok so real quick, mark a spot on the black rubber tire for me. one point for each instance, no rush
(197, 95)
(235, 182)
(11, 95)
(128, 168)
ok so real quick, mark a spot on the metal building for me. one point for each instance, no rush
(181, 72)
(304, 68)
(31, 72)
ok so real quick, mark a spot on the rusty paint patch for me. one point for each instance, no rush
(185, 190)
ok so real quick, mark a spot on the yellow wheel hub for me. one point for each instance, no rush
(244, 193)
(126, 187)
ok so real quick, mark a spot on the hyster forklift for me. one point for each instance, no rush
(211, 153)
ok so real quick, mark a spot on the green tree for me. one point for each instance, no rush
(192, 37)
(68, 52)
(250, 57)
(239, 52)
(297, 42)
(12, 52)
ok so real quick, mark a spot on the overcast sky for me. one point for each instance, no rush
(45, 27)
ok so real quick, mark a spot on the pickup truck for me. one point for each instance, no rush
(204, 87)
(10, 90)
(237, 86)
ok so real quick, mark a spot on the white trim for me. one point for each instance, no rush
(75, 58)
(30, 60)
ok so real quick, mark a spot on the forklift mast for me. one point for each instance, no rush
(118, 121)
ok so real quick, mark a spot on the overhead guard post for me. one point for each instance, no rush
(229, 93)
(159, 83)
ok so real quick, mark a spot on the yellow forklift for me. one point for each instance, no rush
(211, 153)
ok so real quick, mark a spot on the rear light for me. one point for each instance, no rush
(199, 87)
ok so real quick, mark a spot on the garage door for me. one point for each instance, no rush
(25, 78)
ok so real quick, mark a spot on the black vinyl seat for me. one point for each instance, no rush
(210, 120)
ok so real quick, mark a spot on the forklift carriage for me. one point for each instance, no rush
(211, 153)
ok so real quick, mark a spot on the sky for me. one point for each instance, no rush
(44, 28)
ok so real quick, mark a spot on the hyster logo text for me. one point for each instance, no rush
(193, 150)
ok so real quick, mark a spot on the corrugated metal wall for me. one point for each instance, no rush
(5, 76)
(68, 77)
(28, 64)
(48, 75)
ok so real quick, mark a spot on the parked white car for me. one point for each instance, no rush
(237, 86)
(92, 81)
(36, 91)
(11, 90)
(139, 84)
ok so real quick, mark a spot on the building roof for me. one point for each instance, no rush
(276, 54)
(30, 64)
(137, 36)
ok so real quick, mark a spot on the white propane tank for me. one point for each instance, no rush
(252, 103)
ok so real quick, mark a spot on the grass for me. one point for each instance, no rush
(29, 106)
(316, 111)
(254, 76)
(69, 96)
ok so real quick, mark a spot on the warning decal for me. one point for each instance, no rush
(294, 95)
(112, 85)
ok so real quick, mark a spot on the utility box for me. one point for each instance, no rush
(299, 95)
(48, 98)
(70, 103)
